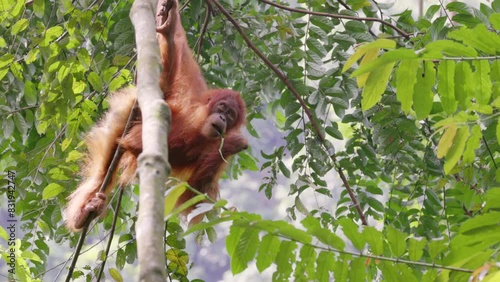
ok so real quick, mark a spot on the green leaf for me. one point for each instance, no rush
(30, 93)
(325, 264)
(6, 60)
(481, 77)
(117, 83)
(459, 7)
(19, 26)
(299, 205)
(341, 269)
(178, 260)
(316, 46)
(204, 225)
(362, 50)
(113, 272)
(390, 57)
(416, 248)
(120, 258)
(446, 140)
(3, 234)
(455, 152)
(374, 238)
(283, 228)
(284, 169)
(406, 77)
(78, 86)
(436, 247)
(268, 250)
(324, 235)
(284, 261)
(375, 86)
(369, 56)
(95, 81)
(62, 73)
(244, 250)
(39, 8)
(464, 84)
(233, 238)
(31, 256)
(446, 86)
(479, 38)
(423, 96)
(389, 271)
(495, 21)
(431, 11)
(397, 241)
(20, 123)
(357, 269)
(189, 203)
(172, 197)
(473, 143)
(358, 4)
(334, 131)
(493, 197)
(51, 34)
(84, 58)
(52, 190)
(305, 269)
(480, 222)
(439, 48)
(492, 276)
(350, 230)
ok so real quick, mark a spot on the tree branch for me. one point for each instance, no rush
(153, 167)
(302, 103)
(336, 16)
(199, 43)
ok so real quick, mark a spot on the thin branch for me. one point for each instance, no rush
(283, 78)
(337, 16)
(344, 4)
(446, 13)
(302, 103)
(375, 257)
(19, 110)
(79, 246)
(489, 152)
(111, 233)
(489, 58)
(204, 29)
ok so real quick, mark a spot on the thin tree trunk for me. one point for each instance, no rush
(153, 167)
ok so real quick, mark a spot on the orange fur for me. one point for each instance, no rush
(101, 144)
(199, 117)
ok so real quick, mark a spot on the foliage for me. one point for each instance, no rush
(417, 109)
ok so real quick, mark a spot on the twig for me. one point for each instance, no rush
(375, 257)
(297, 95)
(111, 233)
(337, 16)
(204, 29)
(79, 246)
(446, 13)
(489, 152)
(344, 4)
